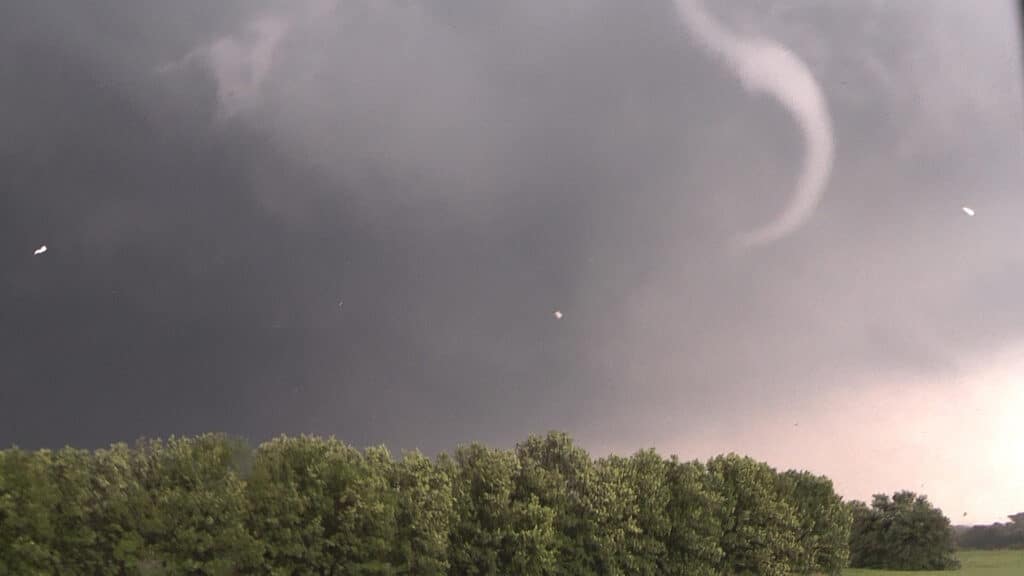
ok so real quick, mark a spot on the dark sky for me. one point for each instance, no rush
(358, 218)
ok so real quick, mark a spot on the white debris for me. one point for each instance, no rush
(968, 210)
(39, 250)
(558, 314)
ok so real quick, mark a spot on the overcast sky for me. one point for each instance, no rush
(359, 218)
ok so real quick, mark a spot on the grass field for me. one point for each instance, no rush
(975, 563)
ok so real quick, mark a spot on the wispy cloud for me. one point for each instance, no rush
(240, 63)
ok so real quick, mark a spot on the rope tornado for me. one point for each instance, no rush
(764, 66)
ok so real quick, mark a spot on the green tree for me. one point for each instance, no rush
(824, 523)
(563, 478)
(305, 506)
(904, 532)
(616, 524)
(96, 526)
(194, 507)
(74, 514)
(321, 507)
(482, 485)
(493, 529)
(695, 533)
(360, 522)
(636, 527)
(288, 500)
(758, 527)
(530, 545)
(27, 501)
(648, 475)
(867, 544)
(424, 511)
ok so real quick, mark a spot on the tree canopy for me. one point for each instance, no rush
(211, 505)
(902, 532)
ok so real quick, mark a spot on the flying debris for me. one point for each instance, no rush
(968, 210)
(39, 250)
(557, 314)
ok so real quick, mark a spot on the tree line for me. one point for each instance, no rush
(306, 505)
(993, 536)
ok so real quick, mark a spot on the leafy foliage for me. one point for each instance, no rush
(637, 527)
(904, 532)
(823, 533)
(304, 506)
(482, 485)
(694, 541)
(424, 511)
(192, 508)
(289, 499)
(562, 477)
(27, 499)
(96, 526)
(759, 528)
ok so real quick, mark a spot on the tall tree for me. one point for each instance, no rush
(424, 511)
(95, 518)
(288, 501)
(758, 527)
(648, 474)
(824, 523)
(530, 546)
(482, 483)
(636, 527)
(563, 477)
(195, 506)
(616, 526)
(360, 524)
(27, 501)
(695, 533)
(321, 507)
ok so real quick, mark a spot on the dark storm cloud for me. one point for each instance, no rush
(153, 310)
(213, 179)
